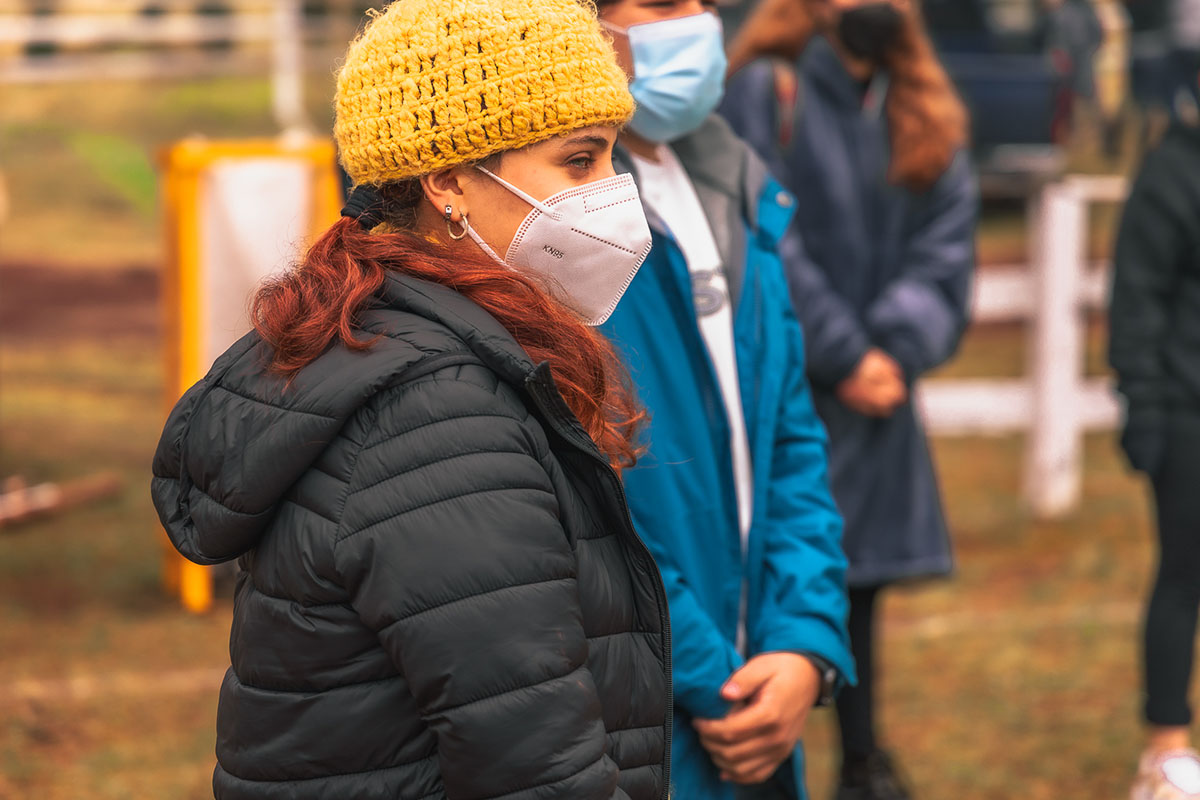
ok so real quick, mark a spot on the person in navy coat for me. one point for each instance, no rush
(864, 127)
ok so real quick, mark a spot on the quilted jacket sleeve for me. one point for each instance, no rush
(835, 337)
(920, 316)
(452, 550)
(1154, 234)
(836, 340)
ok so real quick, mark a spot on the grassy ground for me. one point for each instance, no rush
(1016, 679)
(80, 597)
(86, 632)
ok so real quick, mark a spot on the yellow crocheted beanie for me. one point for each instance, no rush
(433, 83)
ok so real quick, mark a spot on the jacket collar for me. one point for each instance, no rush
(716, 162)
(716, 159)
(712, 156)
(483, 335)
(492, 344)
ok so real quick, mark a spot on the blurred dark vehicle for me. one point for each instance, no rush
(995, 52)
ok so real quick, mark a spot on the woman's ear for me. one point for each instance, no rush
(444, 189)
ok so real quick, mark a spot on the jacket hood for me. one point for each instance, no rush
(821, 62)
(734, 187)
(237, 440)
(719, 164)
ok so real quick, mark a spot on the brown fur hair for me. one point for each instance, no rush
(927, 121)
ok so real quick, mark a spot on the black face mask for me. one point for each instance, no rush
(870, 29)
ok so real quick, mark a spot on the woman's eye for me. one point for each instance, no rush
(581, 162)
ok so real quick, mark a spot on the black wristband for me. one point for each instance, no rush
(829, 679)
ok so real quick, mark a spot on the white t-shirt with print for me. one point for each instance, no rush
(666, 188)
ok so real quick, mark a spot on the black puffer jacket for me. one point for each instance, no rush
(1155, 314)
(442, 595)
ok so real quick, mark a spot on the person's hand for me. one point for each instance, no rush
(876, 388)
(772, 696)
(779, 28)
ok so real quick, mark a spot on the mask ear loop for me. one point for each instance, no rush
(611, 28)
(538, 204)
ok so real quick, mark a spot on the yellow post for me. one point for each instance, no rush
(184, 166)
(1111, 60)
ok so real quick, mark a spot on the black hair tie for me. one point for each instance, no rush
(365, 205)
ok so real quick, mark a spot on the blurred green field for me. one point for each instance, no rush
(79, 160)
(1015, 679)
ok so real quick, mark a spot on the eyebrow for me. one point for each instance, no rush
(594, 141)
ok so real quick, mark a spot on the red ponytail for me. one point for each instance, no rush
(300, 313)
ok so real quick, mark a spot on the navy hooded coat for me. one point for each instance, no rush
(869, 264)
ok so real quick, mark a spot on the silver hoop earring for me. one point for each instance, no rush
(466, 226)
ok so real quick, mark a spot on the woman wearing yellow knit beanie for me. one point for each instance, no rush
(415, 453)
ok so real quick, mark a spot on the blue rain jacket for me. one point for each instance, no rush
(868, 264)
(682, 493)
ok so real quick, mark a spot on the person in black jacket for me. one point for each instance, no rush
(1155, 350)
(414, 455)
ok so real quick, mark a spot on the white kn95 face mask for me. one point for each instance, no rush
(588, 241)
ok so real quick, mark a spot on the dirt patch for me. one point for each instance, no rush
(51, 303)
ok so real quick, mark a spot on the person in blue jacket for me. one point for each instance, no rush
(870, 136)
(732, 495)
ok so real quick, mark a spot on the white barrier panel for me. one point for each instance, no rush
(234, 212)
(255, 215)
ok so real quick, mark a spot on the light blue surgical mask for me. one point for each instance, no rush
(678, 74)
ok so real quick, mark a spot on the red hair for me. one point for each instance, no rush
(301, 312)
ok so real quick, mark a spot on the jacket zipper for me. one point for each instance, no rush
(549, 406)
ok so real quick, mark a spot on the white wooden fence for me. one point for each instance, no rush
(1055, 404)
(100, 40)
